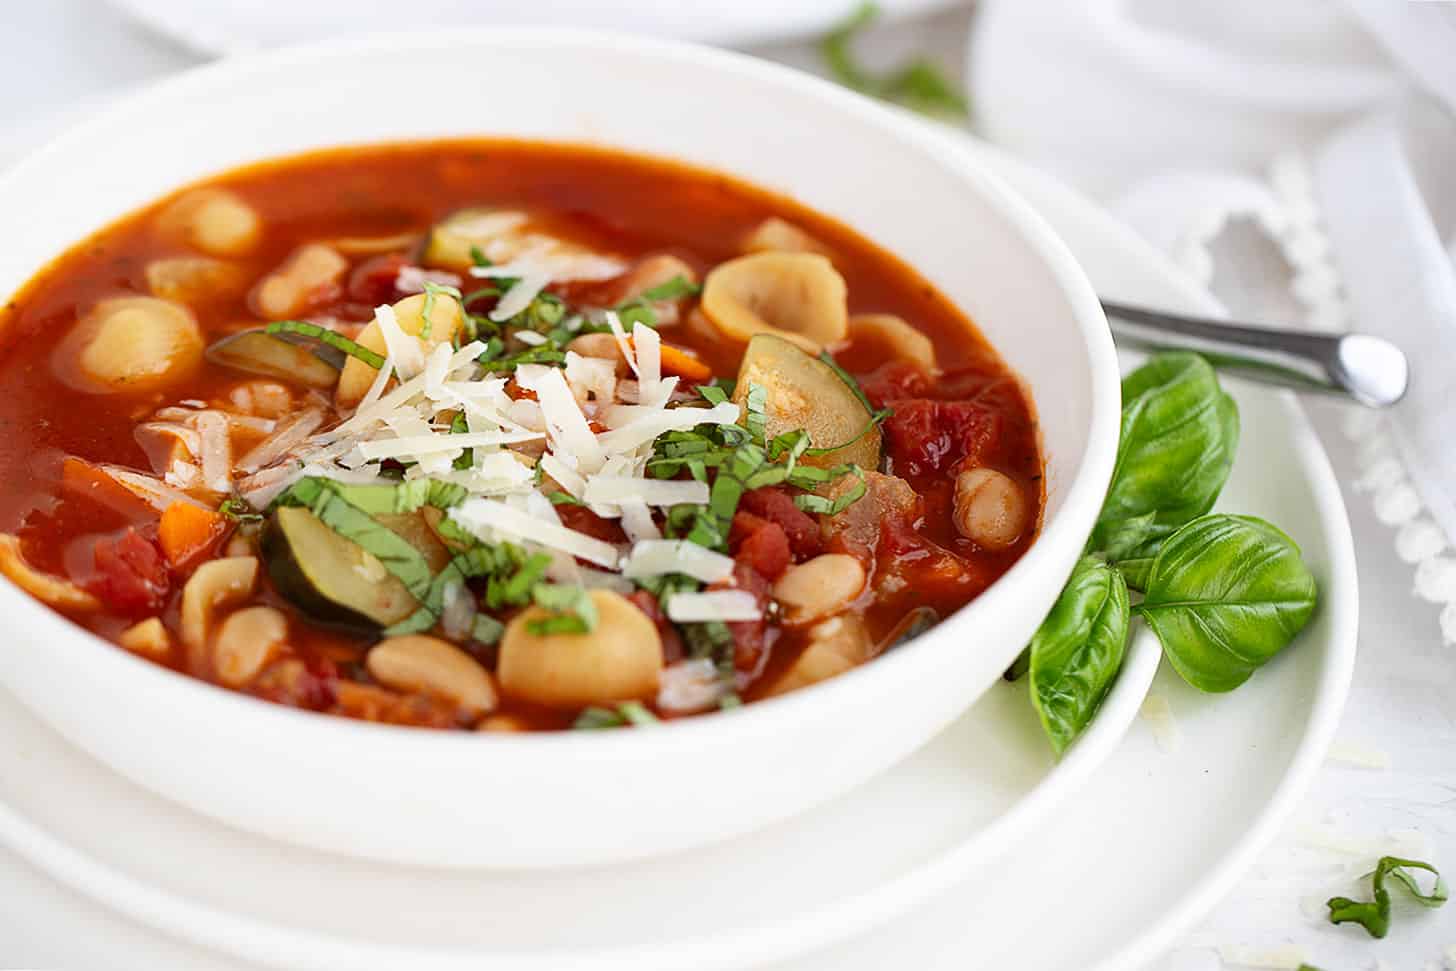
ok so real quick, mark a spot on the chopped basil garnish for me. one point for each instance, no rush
(1374, 915)
(239, 511)
(674, 289)
(325, 336)
(626, 713)
(433, 290)
(571, 610)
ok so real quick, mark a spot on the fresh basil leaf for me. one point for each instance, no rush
(1225, 594)
(1135, 571)
(1374, 915)
(325, 336)
(1078, 650)
(1179, 434)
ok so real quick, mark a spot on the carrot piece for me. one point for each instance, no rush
(685, 364)
(85, 479)
(187, 531)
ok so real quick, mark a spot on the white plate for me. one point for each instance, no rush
(227, 27)
(1127, 864)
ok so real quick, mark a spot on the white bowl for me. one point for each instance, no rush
(544, 800)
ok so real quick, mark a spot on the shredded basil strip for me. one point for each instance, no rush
(432, 290)
(1374, 915)
(674, 289)
(626, 713)
(712, 394)
(325, 336)
(514, 589)
(460, 426)
(324, 500)
(486, 629)
(571, 609)
(239, 511)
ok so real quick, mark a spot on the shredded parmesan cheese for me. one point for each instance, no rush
(723, 605)
(485, 517)
(655, 557)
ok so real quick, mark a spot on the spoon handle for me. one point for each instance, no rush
(1369, 370)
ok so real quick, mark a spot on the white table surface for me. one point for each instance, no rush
(57, 57)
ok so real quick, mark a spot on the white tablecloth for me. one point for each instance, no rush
(61, 56)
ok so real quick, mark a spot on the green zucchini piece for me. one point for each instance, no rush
(328, 577)
(451, 239)
(258, 352)
(804, 392)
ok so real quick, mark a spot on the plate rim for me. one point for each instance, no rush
(187, 27)
(1333, 691)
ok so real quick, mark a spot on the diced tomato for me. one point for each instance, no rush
(777, 506)
(752, 639)
(131, 575)
(672, 645)
(373, 281)
(925, 437)
(895, 380)
(761, 544)
(583, 520)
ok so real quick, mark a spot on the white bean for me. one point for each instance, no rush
(420, 664)
(819, 587)
(310, 272)
(135, 344)
(990, 509)
(194, 279)
(215, 221)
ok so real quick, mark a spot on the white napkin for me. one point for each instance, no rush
(1328, 128)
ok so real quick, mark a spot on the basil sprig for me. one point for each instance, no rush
(1222, 593)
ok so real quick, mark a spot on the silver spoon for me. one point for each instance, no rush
(1371, 370)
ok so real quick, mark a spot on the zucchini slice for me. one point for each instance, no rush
(330, 578)
(261, 353)
(804, 392)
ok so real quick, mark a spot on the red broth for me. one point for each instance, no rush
(628, 206)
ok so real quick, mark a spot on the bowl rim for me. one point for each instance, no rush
(1081, 500)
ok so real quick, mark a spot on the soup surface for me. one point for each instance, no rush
(497, 435)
